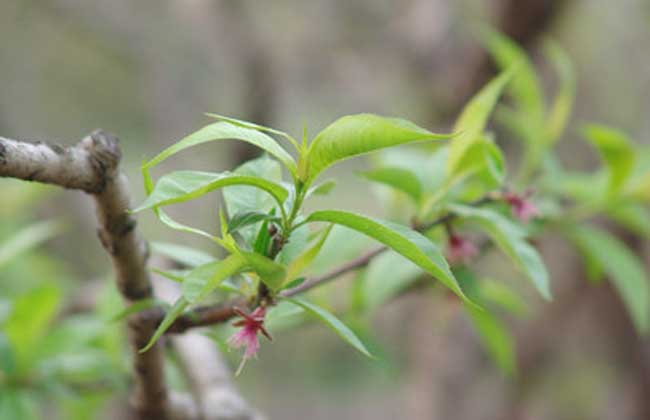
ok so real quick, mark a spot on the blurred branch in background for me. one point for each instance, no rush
(93, 167)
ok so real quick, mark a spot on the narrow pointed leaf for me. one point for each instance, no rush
(472, 121)
(401, 239)
(615, 148)
(180, 186)
(244, 219)
(168, 320)
(560, 111)
(182, 254)
(496, 339)
(270, 272)
(398, 178)
(226, 130)
(354, 135)
(622, 266)
(297, 266)
(511, 239)
(525, 87)
(334, 323)
(205, 278)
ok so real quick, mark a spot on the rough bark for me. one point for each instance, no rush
(93, 166)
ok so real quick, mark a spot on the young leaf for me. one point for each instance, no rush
(623, 268)
(615, 148)
(498, 342)
(205, 278)
(358, 134)
(401, 239)
(323, 188)
(560, 111)
(180, 186)
(241, 199)
(398, 178)
(472, 121)
(241, 220)
(303, 260)
(226, 130)
(511, 240)
(271, 273)
(171, 316)
(246, 124)
(525, 86)
(334, 323)
(182, 254)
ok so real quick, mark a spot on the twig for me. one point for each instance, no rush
(224, 311)
(208, 376)
(92, 166)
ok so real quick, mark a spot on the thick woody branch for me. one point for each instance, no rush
(92, 166)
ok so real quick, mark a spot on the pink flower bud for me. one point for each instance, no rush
(521, 206)
(460, 250)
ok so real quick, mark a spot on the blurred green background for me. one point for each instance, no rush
(148, 70)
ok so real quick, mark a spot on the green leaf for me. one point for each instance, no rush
(241, 220)
(511, 240)
(323, 188)
(633, 217)
(247, 124)
(472, 121)
(525, 87)
(297, 266)
(401, 179)
(354, 135)
(560, 110)
(504, 297)
(401, 239)
(615, 148)
(180, 186)
(205, 278)
(622, 266)
(182, 254)
(298, 242)
(498, 342)
(27, 238)
(29, 321)
(171, 316)
(226, 130)
(241, 199)
(334, 323)
(271, 273)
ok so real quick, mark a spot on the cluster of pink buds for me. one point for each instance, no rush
(246, 337)
(460, 250)
(521, 206)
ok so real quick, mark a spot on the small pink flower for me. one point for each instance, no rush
(521, 206)
(460, 250)
(247, 335)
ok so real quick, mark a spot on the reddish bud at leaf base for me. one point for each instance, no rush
(521, 206)
(247, 335)
(460, 250)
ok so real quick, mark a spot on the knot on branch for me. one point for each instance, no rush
(104, 155)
